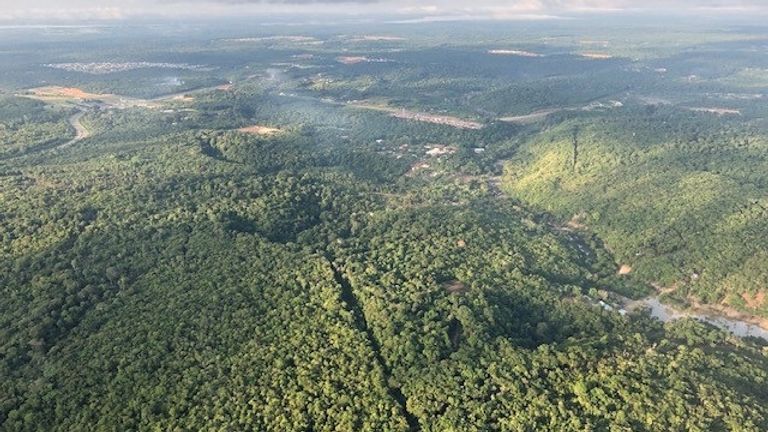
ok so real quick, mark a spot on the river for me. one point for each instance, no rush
(666, 313)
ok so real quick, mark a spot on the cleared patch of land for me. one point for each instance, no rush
(722, 316)
(402, 113)
(596, 55)
(377, 38)
(577, 222)
(438, 119)
(110, 67)
(520, 53)
(603, 43)
(274, 38)
(544, 113)
(718, 111)
(754, 301)
(439, 150)
(54, 92)
(455, 287)
(73, 95)
(58, 95)
(351, 60)
(395, 111)
(625, 269)
(260, 130)
(532, 117)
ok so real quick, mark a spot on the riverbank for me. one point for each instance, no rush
(741, 325)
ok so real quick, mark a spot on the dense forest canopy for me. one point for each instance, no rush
(382, 228)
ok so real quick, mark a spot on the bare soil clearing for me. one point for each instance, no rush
(416, 168)
(718, 111)
(56, 92)
(437, 119)
(596, 55)
(625, 269)
(754, 301)
(532, 117)
(455, 287)
(519, 53)
(439, 150)
(544, 113)
(274, 38)
(348, 60)
(720, 311)
(420, 116)
(603, 43)
(377, 38)
(577, 221)
(73, 95)
(260, 130)
(351, 60)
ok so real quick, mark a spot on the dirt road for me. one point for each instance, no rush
(81, 132)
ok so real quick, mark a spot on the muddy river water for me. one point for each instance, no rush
(666, 313)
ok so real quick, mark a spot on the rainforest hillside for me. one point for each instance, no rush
(397, 227)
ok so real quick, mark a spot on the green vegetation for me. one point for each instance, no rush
(268, 256)
(27, 125)
(679, 198)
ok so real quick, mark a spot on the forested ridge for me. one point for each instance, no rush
(706, 182)
(281, 253)
(154, 294)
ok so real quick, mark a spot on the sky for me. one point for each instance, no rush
(35, 11)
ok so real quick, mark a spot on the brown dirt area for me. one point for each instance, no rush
(728, 312)
(56, 92)
(455, 287)
(402, 113)
(349, 60)
(665, 290)
(719, 310)
(754, 301)
(596, 55)
(576, 222)
(58, 95)
(259, 130)
(625, 269)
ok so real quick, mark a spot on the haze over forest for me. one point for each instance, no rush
(388, 215)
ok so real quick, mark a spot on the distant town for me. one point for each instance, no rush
(110, 67)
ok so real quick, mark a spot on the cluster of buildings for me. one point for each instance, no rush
(110, 67)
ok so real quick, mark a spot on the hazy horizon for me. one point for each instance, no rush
(74, 11)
